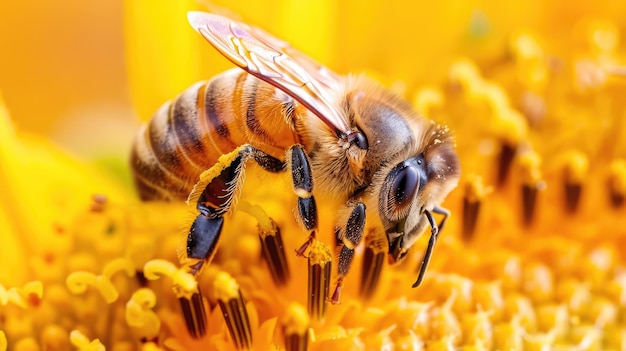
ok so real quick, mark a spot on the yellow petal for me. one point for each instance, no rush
(44, 189)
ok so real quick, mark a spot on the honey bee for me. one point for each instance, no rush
(389, 168)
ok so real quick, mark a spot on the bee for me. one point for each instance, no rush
(388, 167)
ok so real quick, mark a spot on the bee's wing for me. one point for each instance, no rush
(274, 61)
(319, 72)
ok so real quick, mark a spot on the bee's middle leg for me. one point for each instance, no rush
(299, 164)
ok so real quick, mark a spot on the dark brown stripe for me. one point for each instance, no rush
(194, 314)
(507, 154)
(252, 121)
(147, 191)
(211, 113)
(164, 146)
(273, 251)
(573, 193)
(318, 289)
(184, 122)
(152, 170)
(529, 201)
(237, 321)
(372, 268)
(471, 210)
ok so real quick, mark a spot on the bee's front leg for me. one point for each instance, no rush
(435, 230)
(348, 239)
(214, 195)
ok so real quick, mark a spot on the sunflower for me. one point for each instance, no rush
(530, 259)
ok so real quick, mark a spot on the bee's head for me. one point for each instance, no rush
(416, 181)
(410, 162)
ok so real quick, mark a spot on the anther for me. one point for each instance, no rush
(531, 185)
(616, 183)
(320, 264)
(373, 259)
(233, 306)
(272, 246)
(187, 291)
(475, 192)
(505, 160)
(274, 254)
(296, 328)
(194, 313)
(574, 172)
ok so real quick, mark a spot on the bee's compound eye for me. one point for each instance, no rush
(405, 184)
(361, 141)
(355, 137)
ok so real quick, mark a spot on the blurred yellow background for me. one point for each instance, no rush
(62, 71)
(63, 64)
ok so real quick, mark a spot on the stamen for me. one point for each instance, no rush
(274, 254)
(531, 184)
(616, 183)
(574, 174)
(272, 246)
(77, 282)
(505, 160)
(30, 293)
(187, 291)
(373, 259)
(194, 314)
(233, 308)
(296, 328)
(82, 342)
(475, 192)
(139, 314)
(320, 264)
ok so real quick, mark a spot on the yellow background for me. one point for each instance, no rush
(63, 64)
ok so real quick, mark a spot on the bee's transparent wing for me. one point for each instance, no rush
(319, 72)
(274, 61)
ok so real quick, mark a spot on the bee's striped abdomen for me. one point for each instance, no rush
(187, 135)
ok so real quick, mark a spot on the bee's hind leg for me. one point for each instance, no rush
(214, 195)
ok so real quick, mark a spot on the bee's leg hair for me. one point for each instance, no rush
(215, 193)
